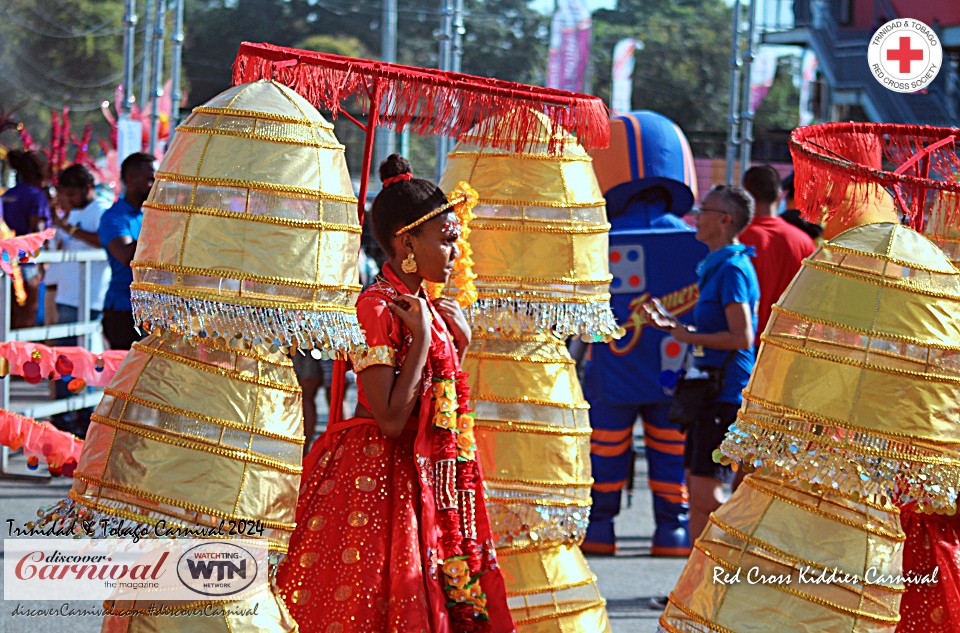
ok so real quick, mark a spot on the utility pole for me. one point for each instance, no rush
(129, 35)
(746, 105)
(733, 122)
(158, 33)
(386, 140)
(446, 64)
(459, 30)
(145, 72)
(176, 41)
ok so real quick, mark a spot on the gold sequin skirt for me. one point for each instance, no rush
(777, 557)
(533, 438)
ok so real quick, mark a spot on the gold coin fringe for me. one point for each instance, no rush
(852, 462)
(593, 322)
(336, 331)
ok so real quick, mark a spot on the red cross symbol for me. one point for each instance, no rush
(905, 54)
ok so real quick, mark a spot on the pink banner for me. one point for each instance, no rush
(569, 46)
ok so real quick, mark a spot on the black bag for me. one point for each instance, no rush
(693, 393)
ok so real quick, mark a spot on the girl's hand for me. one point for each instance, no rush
(456, 321)
(414, 313)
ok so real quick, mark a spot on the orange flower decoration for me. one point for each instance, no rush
(460, 582)
(466, 446)
(465, 424)
(456, 567)
(458, 595)
(445, 421)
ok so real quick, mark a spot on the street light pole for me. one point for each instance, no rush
(446, 64)
(385, 141)
(146, 75)
(158, 43)
(129, 35)
(746, 111)
(733, 118)
(176, 41)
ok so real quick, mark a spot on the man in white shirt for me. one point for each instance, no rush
(76, 231)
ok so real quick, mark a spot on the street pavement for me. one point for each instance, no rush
(628, 580)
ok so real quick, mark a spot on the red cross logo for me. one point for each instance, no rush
(905, 54)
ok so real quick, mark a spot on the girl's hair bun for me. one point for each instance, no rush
(393, 166)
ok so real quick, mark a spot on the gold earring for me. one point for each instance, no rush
(409, 265)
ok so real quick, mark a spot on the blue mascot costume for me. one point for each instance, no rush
(649, 182)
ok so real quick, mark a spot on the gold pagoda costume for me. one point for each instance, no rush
(852, 405)
(539, 245)
(248, 252)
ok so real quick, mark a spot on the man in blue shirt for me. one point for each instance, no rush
(119, 231)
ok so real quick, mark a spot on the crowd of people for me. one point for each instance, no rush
(84, 221)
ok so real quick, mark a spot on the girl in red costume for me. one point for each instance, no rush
(392, 531)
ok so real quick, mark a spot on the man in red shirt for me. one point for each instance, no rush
(780, 246)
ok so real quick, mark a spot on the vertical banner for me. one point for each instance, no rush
(129, 138)
(569, 46)
(763, 70)
(808, 74)
(621, 85)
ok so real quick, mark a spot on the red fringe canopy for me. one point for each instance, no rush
(427, 100)
(844, 165)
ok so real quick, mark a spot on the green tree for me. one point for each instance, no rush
(338, 45)
(780, 109)
(683, 70)
(504, 38)
(57, 53)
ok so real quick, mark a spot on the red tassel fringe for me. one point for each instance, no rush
(854, 162)
(429, 101)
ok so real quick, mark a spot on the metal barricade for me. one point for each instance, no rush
(83, 328)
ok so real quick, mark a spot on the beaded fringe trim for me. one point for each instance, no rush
(334, 331)
(593, 322)
(852, 462)
(520, 525)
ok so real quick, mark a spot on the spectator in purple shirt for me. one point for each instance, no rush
(26, 209)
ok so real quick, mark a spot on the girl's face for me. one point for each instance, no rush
(434, 247)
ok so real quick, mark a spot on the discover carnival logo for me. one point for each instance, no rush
(905, 55)
(124, 569)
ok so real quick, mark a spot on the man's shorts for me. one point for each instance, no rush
(704, 436)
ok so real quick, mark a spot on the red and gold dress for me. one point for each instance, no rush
(931, 556)
(392, 533)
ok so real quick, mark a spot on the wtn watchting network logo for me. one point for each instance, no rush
(905, 55)
(217, 569)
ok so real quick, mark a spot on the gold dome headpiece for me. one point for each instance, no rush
(539, 237)
(251, 229)
(857, 382)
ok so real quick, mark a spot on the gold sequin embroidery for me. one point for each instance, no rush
(351, 555)
(316, 523)
(373, 450)
(376, 355)
(342, 593)
(300, 596)
(358, 519)
(308, 559)
(366, 484)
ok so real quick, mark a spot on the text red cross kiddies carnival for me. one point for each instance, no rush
(905, 54)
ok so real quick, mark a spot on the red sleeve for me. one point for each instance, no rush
(381, 330)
